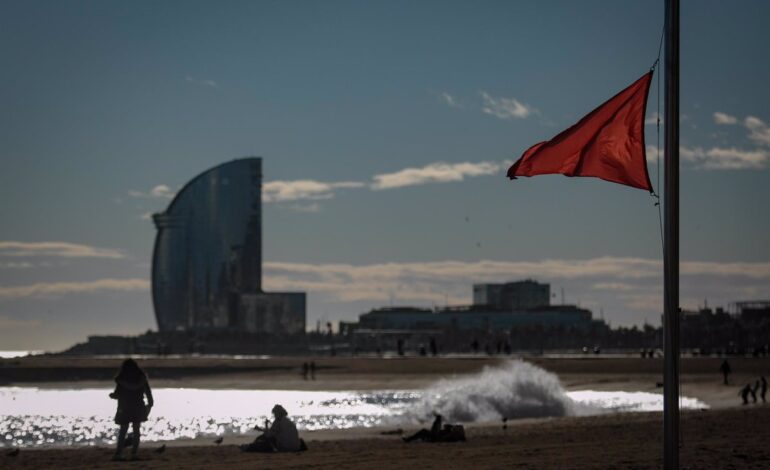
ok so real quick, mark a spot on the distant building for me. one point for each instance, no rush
(752, 311)
(520, 295)
(207, 261)
(473, 318)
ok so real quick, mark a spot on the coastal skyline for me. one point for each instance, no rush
(385, 131)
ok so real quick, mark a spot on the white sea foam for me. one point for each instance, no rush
(514, 390)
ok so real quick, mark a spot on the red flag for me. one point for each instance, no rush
(608, 143)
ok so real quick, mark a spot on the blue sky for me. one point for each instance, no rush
(385, 129)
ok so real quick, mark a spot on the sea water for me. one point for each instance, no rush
(32, 416)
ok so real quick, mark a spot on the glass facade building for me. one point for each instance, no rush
(207, 261)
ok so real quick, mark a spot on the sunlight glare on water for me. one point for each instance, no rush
(32, 416)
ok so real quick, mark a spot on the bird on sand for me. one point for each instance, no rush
(219, 440)
(160, 449)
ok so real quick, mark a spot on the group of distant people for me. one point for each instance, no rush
(759, 387)
(131, 387)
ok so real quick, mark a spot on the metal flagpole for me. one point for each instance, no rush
(671, 242)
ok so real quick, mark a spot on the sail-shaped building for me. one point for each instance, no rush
(207, 260)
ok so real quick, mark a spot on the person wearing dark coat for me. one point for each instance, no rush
(131, 386)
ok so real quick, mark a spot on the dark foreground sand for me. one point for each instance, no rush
(721, 439)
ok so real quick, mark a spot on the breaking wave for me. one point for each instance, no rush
(514, 390)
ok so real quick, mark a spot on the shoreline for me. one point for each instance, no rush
(724, 438)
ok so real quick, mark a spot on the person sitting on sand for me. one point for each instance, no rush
(282, 436)
(131, 386)
(437, 433)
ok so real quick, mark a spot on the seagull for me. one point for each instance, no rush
(160, 449)
(219, 440)
(14, 452)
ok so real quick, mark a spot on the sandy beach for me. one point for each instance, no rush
(727, 435)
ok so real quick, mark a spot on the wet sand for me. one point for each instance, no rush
(726, 436)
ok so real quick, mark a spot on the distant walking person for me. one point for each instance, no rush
(754, 391)
(305, 369)
(131, 386)
(762, 387)
(744, 393)
(725, 368)
(312, 370)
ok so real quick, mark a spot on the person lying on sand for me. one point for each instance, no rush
(437, 433)
(282, 436)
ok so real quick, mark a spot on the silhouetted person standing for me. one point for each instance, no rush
(744, 393)
(725, 369)
(754, 391)
(130, 389)
(433, 347)
(312, 370)
(305, 370)
(762, 387)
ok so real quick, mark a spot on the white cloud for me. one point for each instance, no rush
(161, 191)
(759, 131)
(504, 108)
(653, 120)
(434, 173)
(718, 158)
(53, 289)
(724, 119)
(449, 100)
(57, 249)
(652, 153)
(209, 83)
(146, 216)
(278, 191)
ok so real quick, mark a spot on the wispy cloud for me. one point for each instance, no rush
(636, 279)
(312, 207)
(504, 108)
(7, 323)
(278, 191)
(718, 158)
(759, 131)
(434, 173)
(449, 100)
(55, 289)
(16, 265)
(56, 249)
(724, 119)
(160, 191)
(196, 81)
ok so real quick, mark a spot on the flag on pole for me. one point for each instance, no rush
(608, 143)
